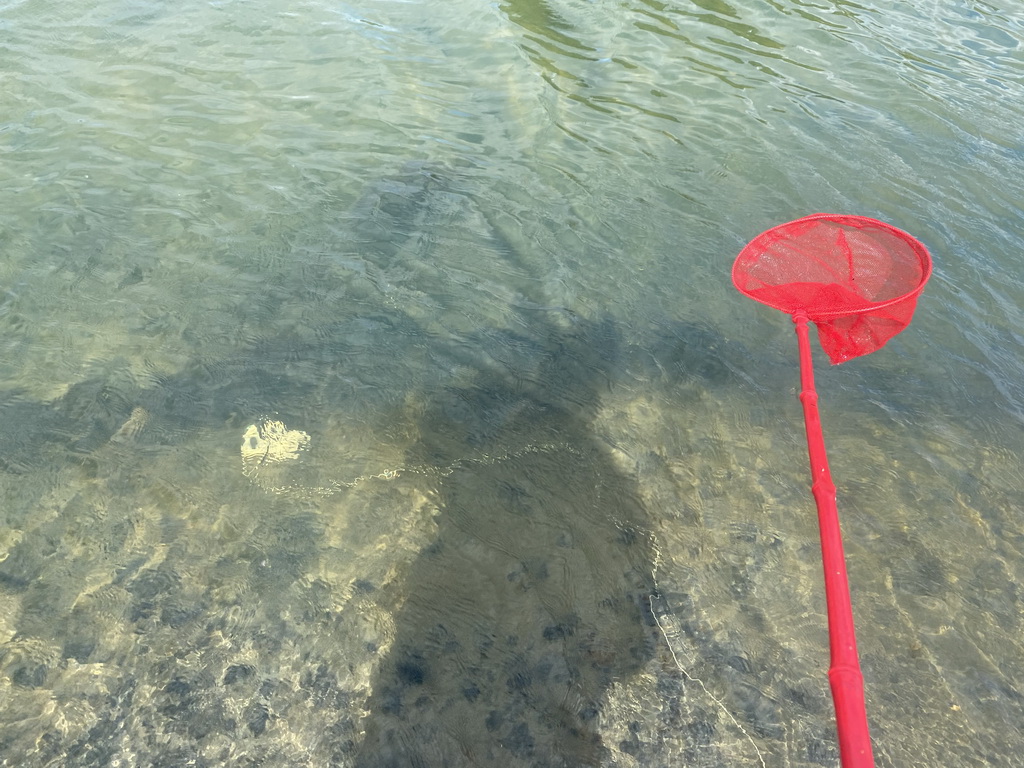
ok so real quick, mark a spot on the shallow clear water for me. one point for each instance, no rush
(374, 393)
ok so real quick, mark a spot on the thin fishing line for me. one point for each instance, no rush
(269, 442)
(656, 592)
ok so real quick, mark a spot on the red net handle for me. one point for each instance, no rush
(845, 677)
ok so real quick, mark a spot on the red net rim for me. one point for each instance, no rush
(781, 232)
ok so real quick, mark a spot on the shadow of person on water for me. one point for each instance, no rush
(511, 627)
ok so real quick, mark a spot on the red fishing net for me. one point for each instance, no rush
(856, 278)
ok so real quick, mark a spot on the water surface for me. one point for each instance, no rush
(373, 390)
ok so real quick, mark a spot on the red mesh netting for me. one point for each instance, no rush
(856, 278)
